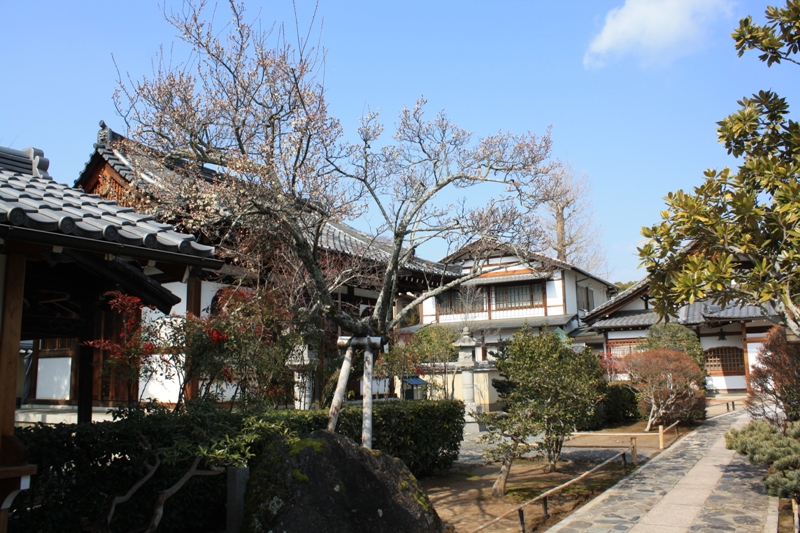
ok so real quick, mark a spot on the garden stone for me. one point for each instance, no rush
(326, 482)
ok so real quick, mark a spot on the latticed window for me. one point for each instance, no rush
(458, 302)
(725, 361)
(518, 296)
(622, 347)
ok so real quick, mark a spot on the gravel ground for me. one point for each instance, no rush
(471, 452)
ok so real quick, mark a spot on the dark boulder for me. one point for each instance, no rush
(328, 483)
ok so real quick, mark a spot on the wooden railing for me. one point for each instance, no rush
(543, 498)
(661, 431)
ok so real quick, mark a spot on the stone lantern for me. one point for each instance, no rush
(466, 364)
(302, 361)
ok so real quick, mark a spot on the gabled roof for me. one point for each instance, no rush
(610, 316)
(640, 318)
(622, 299)
(500, 248)
(51, 212)
(339, 237)
(146, 173)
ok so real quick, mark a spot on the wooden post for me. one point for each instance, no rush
(366, 404)
(661, 437)
(634, 452)
(624, 464)
(341, 387)
(10, 331)
(733, 405)
(521, 513)
(86, 365)
(11, 452)
(544, 508)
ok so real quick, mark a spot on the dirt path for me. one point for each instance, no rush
(462, 497)
(463, 500)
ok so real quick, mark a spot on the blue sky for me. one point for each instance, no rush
(632, 88)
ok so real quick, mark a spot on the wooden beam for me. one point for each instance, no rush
(10, 329)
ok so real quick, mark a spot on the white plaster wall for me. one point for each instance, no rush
(714, 342)
(462, 318)
(752, 352)
(555, 302)
(572, 297)
(634, 305)
(518, 313)
(429, 311)
(208, 289)
(725, 383)
(630, 334)
(178, 289)
(159, 389)
(53, 378)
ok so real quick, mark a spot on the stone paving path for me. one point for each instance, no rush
(695, 485)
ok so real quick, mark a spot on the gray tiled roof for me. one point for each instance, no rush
(529, 255)
(30, 198)
(735, 312)
(339, 237)
(628, 319)
(514, 324)
(491, 280)
(618, 299)
(144, 173)
(693, 314)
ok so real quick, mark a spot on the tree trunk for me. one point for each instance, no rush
(341, 387)
(499, 487)
(650, 419)
(366, 409)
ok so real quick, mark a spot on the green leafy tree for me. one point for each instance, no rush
(432, 345)
(551, 389)
(672, 336)
(735, 240)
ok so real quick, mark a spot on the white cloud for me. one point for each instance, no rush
(654, 31)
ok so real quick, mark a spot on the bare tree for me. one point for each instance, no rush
(250, 105)
(257, 114)
(572, 233)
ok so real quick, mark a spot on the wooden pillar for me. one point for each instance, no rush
(194, 292)
(746, 358)
(85, 358)
(10, 330)
(14, 472)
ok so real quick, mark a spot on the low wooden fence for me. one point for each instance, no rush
(661, 431)
(543, 498)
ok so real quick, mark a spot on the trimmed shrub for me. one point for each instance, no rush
(425, 435)
(81, 468)
(619, 404)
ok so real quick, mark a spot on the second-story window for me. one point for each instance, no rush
(518, 296)
(466, 300)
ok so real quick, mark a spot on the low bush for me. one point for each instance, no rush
(82, 468)
(425, 435)
(618, 405)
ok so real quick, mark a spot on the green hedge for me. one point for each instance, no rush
(82, 467)
(619, 404)
(426, 435)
